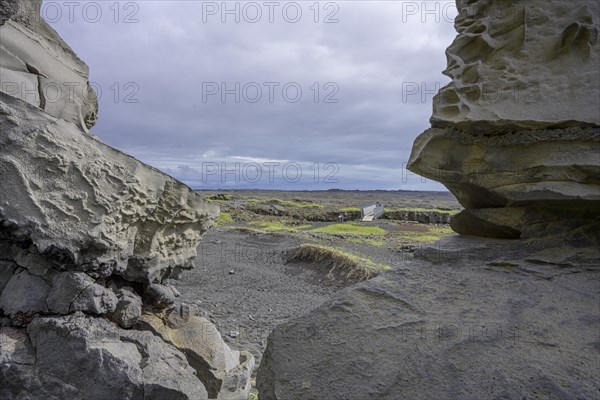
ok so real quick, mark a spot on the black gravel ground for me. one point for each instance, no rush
(244, 285)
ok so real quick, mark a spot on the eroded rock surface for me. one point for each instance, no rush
(519, 125)
(84, 204)
(37, 66)
(110, 363)
(469, 319)
(128, 309)
(88, 234)
(224, 372)
(528, 183)
(526, 64)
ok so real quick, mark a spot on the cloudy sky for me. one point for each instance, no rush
(272, 95)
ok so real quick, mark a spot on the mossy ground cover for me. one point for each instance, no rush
(350, 209)
(439, 210)
(354, 232)
(350, 229)
(431, 234)
(224, 218)
(218, 198)
(367, 241)
(286, 203)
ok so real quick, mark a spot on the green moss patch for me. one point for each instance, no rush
(350, 229)
(224, 218)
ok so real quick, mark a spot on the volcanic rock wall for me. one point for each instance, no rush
(516, 135)
(88, 235)
(37, 66)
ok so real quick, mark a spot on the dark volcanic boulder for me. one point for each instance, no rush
(92, 359)
(470, 319)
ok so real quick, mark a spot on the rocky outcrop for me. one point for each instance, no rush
(508, 67)
(89, 358)
(421, 216)
(518, 184)
(517, 131)
(89, 207)
(224, 372)
(88, 236)
(469, 318)
(37, 66)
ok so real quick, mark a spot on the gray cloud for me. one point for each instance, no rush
(369, 56)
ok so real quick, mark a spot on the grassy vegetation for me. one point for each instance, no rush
(253, 395)
(297, 204)
(218, 198)
(354, 232)
(287, 203)
(426, 210)
(224, 218)
(441, 230)
(433, 234)
(351, 229)
(351, 266)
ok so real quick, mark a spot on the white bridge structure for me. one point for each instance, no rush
(371, 212)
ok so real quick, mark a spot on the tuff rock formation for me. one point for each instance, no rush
(515, 136)
(225, 373)
(37, 66)
(88, 235)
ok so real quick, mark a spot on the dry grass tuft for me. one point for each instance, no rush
(351, 266)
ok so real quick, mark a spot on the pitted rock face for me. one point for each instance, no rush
(74, 198)
(37, 66)
(7, 10)
(518, 128)
(526, 64)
